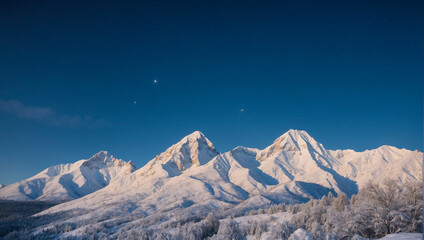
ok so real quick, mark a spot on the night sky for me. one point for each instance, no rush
(77, 77)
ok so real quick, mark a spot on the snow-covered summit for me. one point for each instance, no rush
(200, 148)
(104, 159)
(292, 141)
(193, 150)
(296, 156)
(69, 181)
(194, 135)
(379, 164)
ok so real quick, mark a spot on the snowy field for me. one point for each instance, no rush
(404, 236)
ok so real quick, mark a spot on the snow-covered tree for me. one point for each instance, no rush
(281, 230)
(340, 202)
(228, 230)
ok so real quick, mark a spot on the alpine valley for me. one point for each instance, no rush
(191, 178)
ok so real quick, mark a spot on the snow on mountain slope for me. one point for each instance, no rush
(191, 176)
(2, 185)
(379, 164)
(237, 167)
(193, 150)
(162, 185)
(69, 181)
(296, 156)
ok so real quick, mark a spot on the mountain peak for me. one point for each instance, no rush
(296, 133)
(298, 139)
(193, 150)
(291, 141)
(100, 154)
(194, 135)
(69, 181)
(103, 158)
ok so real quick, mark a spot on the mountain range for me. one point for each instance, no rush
(192, 175)
(69, 181)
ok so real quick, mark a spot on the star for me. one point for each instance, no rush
(155, 81)
(242, 110)
(135, 102)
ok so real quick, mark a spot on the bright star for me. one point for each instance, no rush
(155, 81)
(135, 102)
(242, 110)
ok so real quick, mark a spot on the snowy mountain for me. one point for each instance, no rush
(296, 156)
(379, 164)
(192, 151)
(69, 181)
(191, 177)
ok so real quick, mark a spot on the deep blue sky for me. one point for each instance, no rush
(350, 73)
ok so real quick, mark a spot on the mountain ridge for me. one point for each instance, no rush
(192, 175)
(292, 172)
(69, 181)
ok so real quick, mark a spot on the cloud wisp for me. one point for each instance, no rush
(49, 116)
